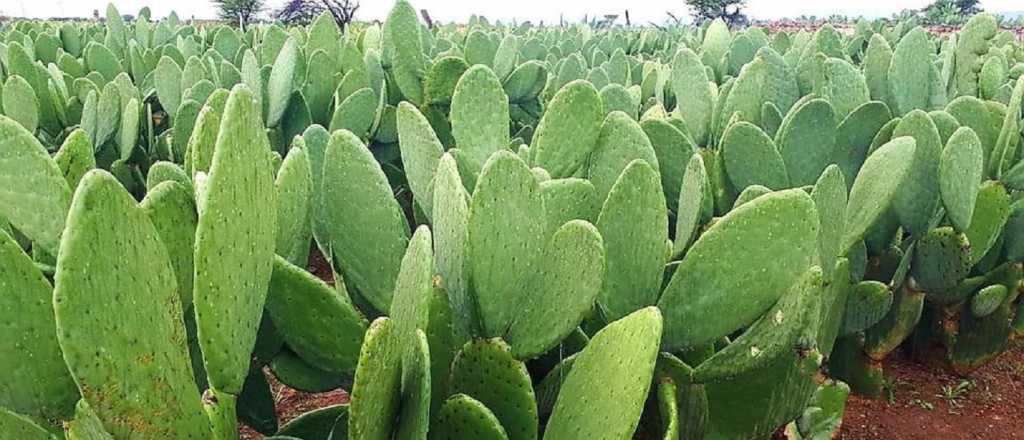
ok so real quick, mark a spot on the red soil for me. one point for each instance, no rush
(927, 404)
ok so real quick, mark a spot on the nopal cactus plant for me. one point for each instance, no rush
(500, 217)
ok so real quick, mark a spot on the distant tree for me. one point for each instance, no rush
(731, 11)
(305, 11)
(242, 12)
(950, 12)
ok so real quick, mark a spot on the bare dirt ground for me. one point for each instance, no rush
(926, 403)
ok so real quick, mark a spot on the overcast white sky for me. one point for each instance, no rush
(641, 11)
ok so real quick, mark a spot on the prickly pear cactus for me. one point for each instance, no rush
(480, 115)
(139, 388)
(621, 357)
(708, 297)
(463, 417)
(34, 195)
(294, 211)
(378, 381)
(569, 129)
(571, 271)
(234, 243)
(18, 426)
(368, 246)
(316, 321)
(487, 371)
(634, 225)
(36, 382)
(171, 208)
(506, 226)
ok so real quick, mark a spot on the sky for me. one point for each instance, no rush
(641, 12)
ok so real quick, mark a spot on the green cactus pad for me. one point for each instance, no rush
(167, 80)
(568, 199)
(893, 329)
(875, 188)
(604, 393)
(36, 382)
(378, 381)
(744, 98)
(356, 113)
(770, 241)
(318, 93)
(128, 133)
(1007, 143)
(172, 211)
(200, 145)
(451, 217)
(465, 418)
(908, 76)
(569, 278)
(845, 87)
(941, 260)
(413, 288)
(296, 373)
(807, 141)
(185, 128)
(946, 124)
(487, 371)
(673, 149)
(113, 251)
(972, 43)
(109, 108)
(440, 81)
(918, 197)
(634, 225)
(505, 233)
(293, 185)
(164, 171)
(694, 97)
(868, 303)
(778, 330)
(991, 212)
(824, 415)
(569, 129)
(317, 322)
(20, 104)
(282, 81)
(751, 158)
(421, 152)
(668, 409)
(829, 196)
(750, 193)
(234, 243)
(414, 415)
(318, 424)
(479, 114)
(960, 172)
(987, 300)
(854, 135)
(368, 246)
(17, 426)
(755, 404)
(34, 195)
(75, 157)
(693, 204)
(621, 141)
(402, 30)
(616, 98)
(526, 81)
(85, 425)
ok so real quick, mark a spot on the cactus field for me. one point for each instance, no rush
(519, 232)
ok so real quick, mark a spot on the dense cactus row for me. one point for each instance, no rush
(533, 232)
